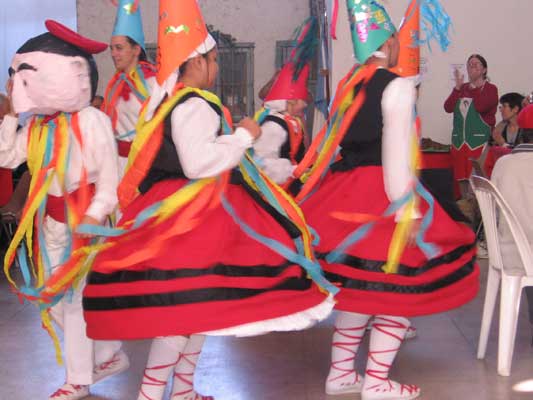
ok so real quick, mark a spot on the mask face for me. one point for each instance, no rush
(46, 83)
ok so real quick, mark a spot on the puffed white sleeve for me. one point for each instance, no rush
(13, 143)
(103, 157)
(202, 153)
(398, 103)
(268, 149)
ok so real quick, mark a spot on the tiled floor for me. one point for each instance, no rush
(280, 366)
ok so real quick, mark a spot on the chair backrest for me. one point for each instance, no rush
(477, 168)
(490, 200)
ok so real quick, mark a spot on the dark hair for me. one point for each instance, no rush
(482, 61)
(142, 56)
(183, 67)
(513, 99)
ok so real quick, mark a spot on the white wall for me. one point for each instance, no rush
(498, 30)
(22, 19)
(262, 22)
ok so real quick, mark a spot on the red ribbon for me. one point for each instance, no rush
(334, 18)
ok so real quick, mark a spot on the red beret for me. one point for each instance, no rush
(81, 42)
(525, 118)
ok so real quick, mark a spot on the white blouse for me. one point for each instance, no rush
(202, 152)
(268, 151)
(397, 104)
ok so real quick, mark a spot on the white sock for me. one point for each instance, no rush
(350, 329)
(164, 354)
(183, 386)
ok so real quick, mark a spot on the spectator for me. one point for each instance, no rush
(507, 132)
(474, 106)
(512, 179)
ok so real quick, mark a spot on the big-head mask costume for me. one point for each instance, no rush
(55, 72)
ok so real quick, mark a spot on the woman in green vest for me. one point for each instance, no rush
(474, 105)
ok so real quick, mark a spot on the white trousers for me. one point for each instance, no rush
(81, 353)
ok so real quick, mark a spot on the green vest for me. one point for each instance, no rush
(468, 126)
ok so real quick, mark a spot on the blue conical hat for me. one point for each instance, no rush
(129, 22)
(370, 25)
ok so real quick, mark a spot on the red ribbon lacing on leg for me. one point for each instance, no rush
(381, 324)
(188, 378)
(351, 340)
(151, 381)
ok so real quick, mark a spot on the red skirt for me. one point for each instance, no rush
(421, 286)
(211, 278)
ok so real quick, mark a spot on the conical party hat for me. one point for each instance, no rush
(291, 83)
(409, 37)
(181, 31)
(286, 88)
(129, 22)
(370, 26)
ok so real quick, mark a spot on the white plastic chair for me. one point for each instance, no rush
(512, 278)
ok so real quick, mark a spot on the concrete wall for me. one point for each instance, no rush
(492, 29)
(261, 22)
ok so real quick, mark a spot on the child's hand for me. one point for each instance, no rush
(251, 126)
(459, 79)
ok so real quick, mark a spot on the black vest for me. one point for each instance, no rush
(362, 144)
(167, 164)
(285, 151)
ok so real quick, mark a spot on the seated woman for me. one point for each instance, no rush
(507, 132)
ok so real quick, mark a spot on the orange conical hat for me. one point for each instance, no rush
(409, 37)
(181, 30)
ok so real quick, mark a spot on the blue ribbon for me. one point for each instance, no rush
(312, 268)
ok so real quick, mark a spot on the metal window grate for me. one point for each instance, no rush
(151, 52)
(235, 80)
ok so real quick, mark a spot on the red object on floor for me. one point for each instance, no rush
(6, 185)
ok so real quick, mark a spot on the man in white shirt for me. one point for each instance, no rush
(72, 158)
